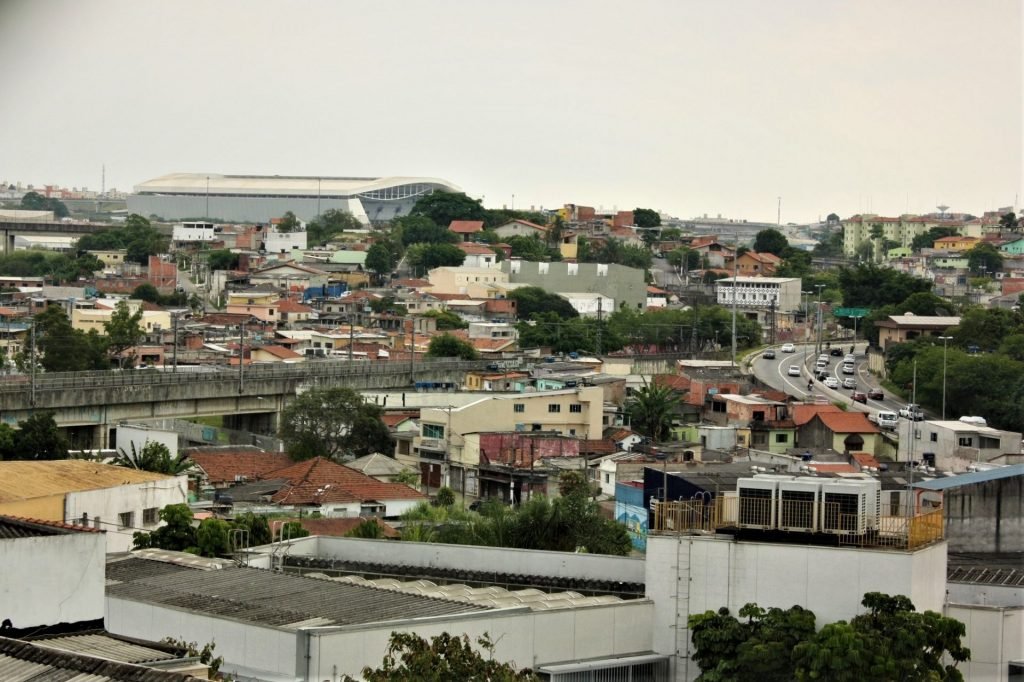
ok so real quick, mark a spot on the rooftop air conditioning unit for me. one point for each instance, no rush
(799, 505)
(757, 502)
(850, 507)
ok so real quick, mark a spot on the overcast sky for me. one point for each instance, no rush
(687, 107)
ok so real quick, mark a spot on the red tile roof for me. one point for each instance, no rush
(320, 480)
(673, 381)
(864, 459)
(804, 413)
(289, 306)
(222, 464)
(393, 419)
(466, 226)
(49, 524)
(411, 283)
(342, 527)
(280, 352)
(602, 446)
(847, 422)
(471, 249)
(833, 468)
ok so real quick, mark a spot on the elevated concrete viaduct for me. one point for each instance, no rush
(90, 404)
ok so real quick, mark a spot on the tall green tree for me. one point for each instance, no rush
(985, 258)
(420, 229)
(771, 241)
(446, 319)
(222, 259)
(926, 240)
(329, 225)
(1009, 221)
(646, 217)
(651, 410)
(288, 223)
(533, 300)
(411, 658)
(176, 534)
(381, 259)
(153, 457)
(39, 438)
(444, 207)
(61, 348)
(872, 286)
(34, 201)
(430, 256)
(330, 422)
(448, 346)
(124, 331)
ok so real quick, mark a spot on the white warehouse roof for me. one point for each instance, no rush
(291, 185)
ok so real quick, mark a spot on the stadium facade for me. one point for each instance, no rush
(259, 198)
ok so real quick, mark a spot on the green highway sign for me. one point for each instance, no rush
(851, 312)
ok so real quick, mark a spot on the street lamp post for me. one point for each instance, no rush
(819, 287)
(945, 340)
(807, 310)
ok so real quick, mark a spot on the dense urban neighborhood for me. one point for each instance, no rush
(291, 428)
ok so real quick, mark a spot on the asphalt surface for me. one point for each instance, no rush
(774, 373)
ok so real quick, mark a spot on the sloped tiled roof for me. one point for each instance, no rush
(13, 527)
(222, 464)
(378, 465)
(601, 446)
(471, 249)
(342, 527)
(847, 422)
(289, 306)
(320, 480)
(280, 352)
(466, 226)
(802, 413)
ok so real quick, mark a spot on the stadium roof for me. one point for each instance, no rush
(291, 185)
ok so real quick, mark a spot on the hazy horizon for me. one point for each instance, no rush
(688, 108)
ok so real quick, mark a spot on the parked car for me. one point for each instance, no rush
(876, 394)
(912, 412)
(768, 354)
(831, 382)
(794, 370)
(836, 352)
(850, 383)
(859, 397)
(788, 348)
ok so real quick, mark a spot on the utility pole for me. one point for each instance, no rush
(778, 215)
(32, 357)
(600, 301)
(174, 352)
(735, 289)
(241, 356)
(819, 287)
(351, 337)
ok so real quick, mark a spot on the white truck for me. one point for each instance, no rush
(884, 419)
(912, 411)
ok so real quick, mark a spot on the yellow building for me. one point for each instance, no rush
(457, 280)
(117, 500)
(111, 258)
(85, 319)
(263, 305)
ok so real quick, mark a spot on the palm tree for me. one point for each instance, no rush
(651, 409)
(153, 457)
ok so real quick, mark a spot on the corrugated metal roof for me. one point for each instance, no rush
(1005, 577)
(105, 646)
(972, 477)
(27, 662)
(215, 183)
(276, 599)
(26, 480)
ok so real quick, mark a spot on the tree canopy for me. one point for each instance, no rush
(65, 349)
(448, 346)
(890, 642)
(430, 256)
(646, 217)
(984, 258)
(926, 240)
(330, 224)
(36, 438)
(444, 207)
(533, 300)
(411, 658)
(34, 201)
(651, 410)
(222, 259)
(124, 331)
(382, 257)
(55, 267)
(140, 239)
(420, 229)
(871, 286)
(153, 456)
(771, 241)
(331, 422)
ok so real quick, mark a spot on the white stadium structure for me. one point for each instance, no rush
(258, 198)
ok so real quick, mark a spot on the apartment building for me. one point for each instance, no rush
(457, 280)
(954, 445)
(445, 457)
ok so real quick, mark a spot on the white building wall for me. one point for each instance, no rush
(688, 574)
(525, 638)
(276, 242)
(109, 503)
(249, 651)
(588, 305)
(995, 636)
(52, 579)
(138, 436)
(193, 232)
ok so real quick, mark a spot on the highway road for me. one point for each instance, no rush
(775, 373)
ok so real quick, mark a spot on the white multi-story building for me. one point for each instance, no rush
(193, 232)
(954, 445)
(760, 292)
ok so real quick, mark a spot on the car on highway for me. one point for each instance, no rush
(887, 420)
(821, 375)
(831, 382)
(859, 397)
(850, 358)
(848, 368)
(849, 382)
(876, 394)
(768, 354)
(836, 352)
(788, 348)
(794, 370)
(824, 358)
(912, 412)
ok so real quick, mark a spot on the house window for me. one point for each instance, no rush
(572, 432)
(126, 519)
(554, 407)
(607, 478)
(966, 442)
(150, 515)
(781, 437)
(934, 437)
(519, 407)
(576, 408)
(433, 431)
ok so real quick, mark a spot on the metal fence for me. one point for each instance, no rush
(850, 529)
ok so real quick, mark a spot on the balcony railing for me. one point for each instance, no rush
(797, 516)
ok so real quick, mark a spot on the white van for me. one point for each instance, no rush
(887, 420)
